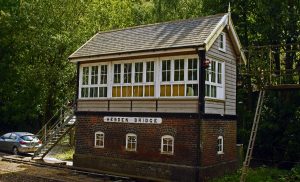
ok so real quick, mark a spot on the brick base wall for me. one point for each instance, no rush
(147, 161)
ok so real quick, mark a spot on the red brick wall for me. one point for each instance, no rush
(210, 130)
(147, 160)
(149, 136)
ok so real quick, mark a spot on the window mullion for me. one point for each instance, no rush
(157, 77)
(172, 76)
(185, 75)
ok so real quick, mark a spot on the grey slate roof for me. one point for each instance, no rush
(176, 34)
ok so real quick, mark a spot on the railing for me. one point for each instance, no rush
(272, 65)
(54, 122)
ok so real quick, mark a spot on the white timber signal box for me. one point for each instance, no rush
(147, 105)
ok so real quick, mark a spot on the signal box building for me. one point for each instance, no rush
(159, 101)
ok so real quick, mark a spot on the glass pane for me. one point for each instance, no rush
(166, 70)
(178, 90)
(213, 91)
(165, 90)
(102, 91)
(126, 91)
(94, 92)
(116, 91)
(179, 70)
(150, 72)
(192, 90)
(206, 75)
(85, 76)
(213, 71)
(138, 72)
(117, 73)
(221, 41)
(84, 92)
(149, 90)
(94, 75)
(207, 90)
(220, 73)
(138, 91)
(103, 79)
(127, 72)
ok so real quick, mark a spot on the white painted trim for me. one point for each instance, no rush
(95, 143)
(215, 33)
(226, 20)
(218, 86)
(223, 36)
(133, 135)
(236, 41)
(162, 144)
(125, 55)
(222, 145)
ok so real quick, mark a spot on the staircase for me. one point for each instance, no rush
(257, 116)
(54, 130)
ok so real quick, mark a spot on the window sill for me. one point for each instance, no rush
(98, 147)
(166, 153)
(222, 50)
(128, 150)
(220, 153)
(139, 98)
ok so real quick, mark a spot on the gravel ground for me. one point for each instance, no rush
(16, 172)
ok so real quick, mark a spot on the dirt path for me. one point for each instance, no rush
(16, 172)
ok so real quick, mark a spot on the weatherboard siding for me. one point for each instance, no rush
(229, 57)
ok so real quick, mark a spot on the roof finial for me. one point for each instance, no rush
(229, 9)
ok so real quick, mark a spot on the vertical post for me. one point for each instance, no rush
(201, 107)
(77, 86)
(201, 102)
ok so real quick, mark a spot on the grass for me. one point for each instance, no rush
(264, 174)
(65, 155)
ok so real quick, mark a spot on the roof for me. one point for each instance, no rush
(169, 35)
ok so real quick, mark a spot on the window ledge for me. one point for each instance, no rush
(138, 98)
(222, 50)
(167, 153)
(97, 147)
(220, 153)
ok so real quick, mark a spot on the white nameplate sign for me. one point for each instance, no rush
(137, 120)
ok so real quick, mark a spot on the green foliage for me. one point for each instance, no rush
(261, 174)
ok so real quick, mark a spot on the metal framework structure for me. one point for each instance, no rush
(272, 67)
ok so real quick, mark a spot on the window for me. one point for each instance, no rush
(179, 78)
(131, 142)
(99, 139)
(167, 144)
(93, 81)
(172, 77)
(222, 42)
(149, 86)
(214, 87)
(220, 145)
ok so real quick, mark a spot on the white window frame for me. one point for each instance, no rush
(90, 85)
(133, 83)
(222, 40)
(127, 142)
(163, 144)
(157, 82)
(220, 87)
(220, 145)
(172, 82)
(102, 137)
